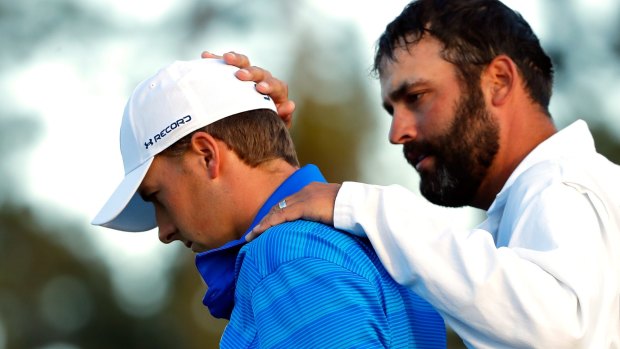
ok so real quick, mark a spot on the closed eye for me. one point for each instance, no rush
(150, 197)
(409, 93)
(413, 98)
(388, 108)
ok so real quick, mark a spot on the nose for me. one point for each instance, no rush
(166, 235)
(167, 231)
(403, 127)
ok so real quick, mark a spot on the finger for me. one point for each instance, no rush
(255, 232)
(246, 74)
(237, 59)
(256, 74)
(287, 107)
(276, 215)
(276, 88)
(207, 54)
(264, 87)
(284, 106)
(285, 111)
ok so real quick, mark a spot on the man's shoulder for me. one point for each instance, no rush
(301, 239)
(307, 233)
(589, 172)
(545, 193)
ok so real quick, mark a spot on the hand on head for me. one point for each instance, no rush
(315, 202)
(265, 82)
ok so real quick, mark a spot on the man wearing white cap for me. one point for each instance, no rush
(206, 156)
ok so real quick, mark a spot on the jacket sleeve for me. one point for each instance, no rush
(543, 289)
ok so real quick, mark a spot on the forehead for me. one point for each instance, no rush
(415, 63)
(157, 172)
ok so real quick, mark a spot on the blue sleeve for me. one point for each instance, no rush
(306, 303)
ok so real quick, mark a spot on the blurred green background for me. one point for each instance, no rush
(67, 67)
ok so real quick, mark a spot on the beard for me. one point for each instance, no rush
(462, 155)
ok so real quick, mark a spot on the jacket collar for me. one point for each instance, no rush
(574, 139)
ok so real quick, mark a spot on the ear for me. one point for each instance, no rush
(500, 79)
(208, 153)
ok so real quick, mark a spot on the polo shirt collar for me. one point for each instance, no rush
(217, 266)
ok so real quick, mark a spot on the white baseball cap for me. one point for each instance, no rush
(182, 97)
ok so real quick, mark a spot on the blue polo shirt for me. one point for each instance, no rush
(307, 285)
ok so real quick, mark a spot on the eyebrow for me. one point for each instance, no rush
(401, 91)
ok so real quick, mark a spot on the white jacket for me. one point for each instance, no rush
(542, 271)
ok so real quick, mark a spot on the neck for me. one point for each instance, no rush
(254, 185)
(519, 135)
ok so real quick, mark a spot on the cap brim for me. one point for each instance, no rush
(125, 210)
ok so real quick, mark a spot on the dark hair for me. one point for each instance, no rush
(256, 136)
(473, 33)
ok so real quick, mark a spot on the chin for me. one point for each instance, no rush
(447, 196)
(198, 248)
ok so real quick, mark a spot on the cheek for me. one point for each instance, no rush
(441, 115)
(435, 122)
(195, 213)
(178, 206)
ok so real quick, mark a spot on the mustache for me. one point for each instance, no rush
(414, 151)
